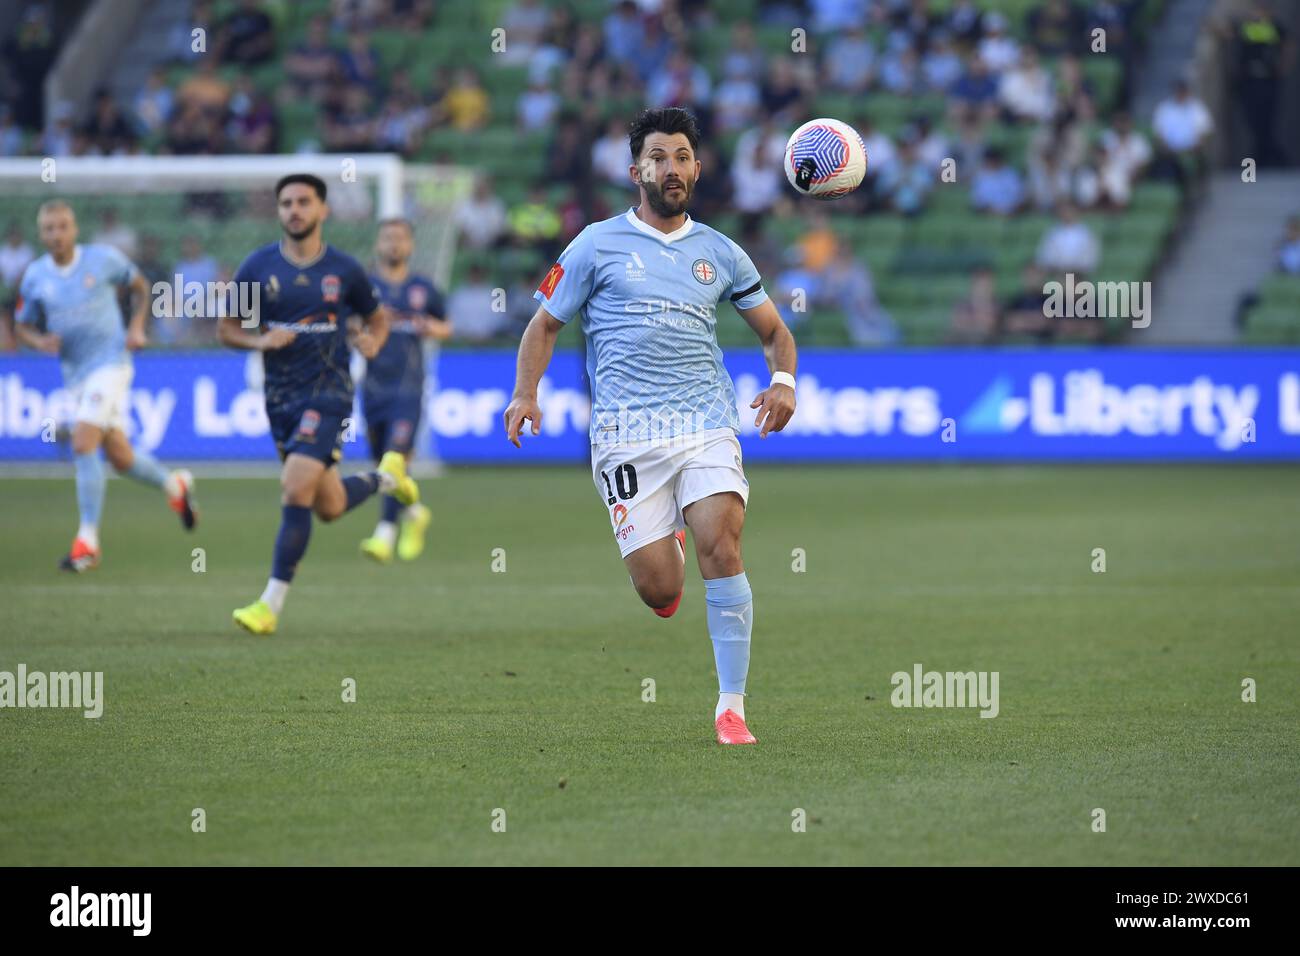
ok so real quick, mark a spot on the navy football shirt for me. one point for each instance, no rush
(313, 301)
(398, 370)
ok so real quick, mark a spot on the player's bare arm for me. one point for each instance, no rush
(231, 333)
(775, 403)
(535, 350)
(436, 327)
(33, 338)
(136, 334)
(372, 337)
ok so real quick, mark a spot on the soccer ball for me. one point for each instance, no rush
(825, 159)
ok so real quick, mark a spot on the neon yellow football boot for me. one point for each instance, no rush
(410, 540)
(377, 549)
(405, 491)
(257, 618)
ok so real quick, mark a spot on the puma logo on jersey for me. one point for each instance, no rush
(672, 256)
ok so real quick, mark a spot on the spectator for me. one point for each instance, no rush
(848, 287)
(534, 223)
(998, 50)
(996, 187)
(1288, 253)
(537, 106)
(736, 101)
(1056, 27)
(975, 95)
(314, 62)
(1026, 312)
(1126, 153)
(205, 89)
(975, 318)
(568, 159)
(29, 52)
(107, 128)
(11, 134)
(1025, 90)
(905, 185)
(783, 89)
(932, 146)
(1263, 58)
(153, 104)
(467, 104)
(941, 66)
(850, 61)
(246, 36)
(359, 63)
(471, 310)
(743, 57)
(252, 124)
(757, 171)
(964, 22)
(681, 82)
(195, 265)
(525, 23)
(881, 152)
(1182, 125)
(114, 232)
(652, 50)
(611, 157)
(15, 254)
(353, 126)
(900, 71)
(1069, 245)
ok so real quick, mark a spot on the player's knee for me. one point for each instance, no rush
(297, 493)
(719, 555)
(84, 441)
(327, 512)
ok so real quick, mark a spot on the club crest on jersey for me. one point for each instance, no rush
(417, 297)
(308, 424)
(88, 281)
(329, 288)
(552, 280)
(704, 271)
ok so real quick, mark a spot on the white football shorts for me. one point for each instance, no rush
(103, 397)
(647, 485)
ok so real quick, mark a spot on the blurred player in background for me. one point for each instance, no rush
(393, 392)
(68, 307)
(306, 291)
(663, 420)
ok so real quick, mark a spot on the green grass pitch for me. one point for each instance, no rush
(522, 691)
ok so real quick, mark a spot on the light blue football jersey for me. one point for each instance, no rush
(78, 303)
(649, 311)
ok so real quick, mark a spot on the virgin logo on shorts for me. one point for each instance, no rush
(620, 515)
(329, 288)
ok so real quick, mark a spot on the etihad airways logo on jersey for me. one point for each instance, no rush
(654, 306)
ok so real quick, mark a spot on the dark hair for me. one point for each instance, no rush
(315, 182)
(397, 221)
(670, 119)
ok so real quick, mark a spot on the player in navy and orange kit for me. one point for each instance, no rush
(393, 392)
(305, 293)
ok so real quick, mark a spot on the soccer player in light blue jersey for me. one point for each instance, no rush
(665, 456)
(68, 307)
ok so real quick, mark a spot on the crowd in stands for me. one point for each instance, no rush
(1009, 103)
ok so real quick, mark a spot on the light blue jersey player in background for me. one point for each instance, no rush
(68, 306)
(664, 422)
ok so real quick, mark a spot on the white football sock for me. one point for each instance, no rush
(172, 486)
(275, 593)
(734, 702)
(387, 483)
(386, 532)
(89, 533)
